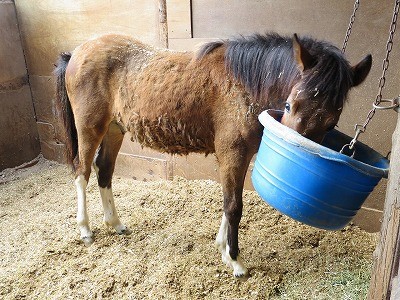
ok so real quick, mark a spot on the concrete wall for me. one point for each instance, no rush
(19, 141)
(49, 27)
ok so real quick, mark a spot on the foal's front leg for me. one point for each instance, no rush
(239, 270)
(233, 171)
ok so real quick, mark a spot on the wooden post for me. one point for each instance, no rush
(384, 279)
(162, 10)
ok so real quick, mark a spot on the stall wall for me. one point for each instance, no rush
(19, 141)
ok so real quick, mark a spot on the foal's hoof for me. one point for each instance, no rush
(240, 273)
(87, 240)
(125, 231)
(239, 270)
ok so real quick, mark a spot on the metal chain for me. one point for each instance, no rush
(352, 19)
(378, 99)
(389, 47)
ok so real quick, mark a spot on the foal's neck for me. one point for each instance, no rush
(265, 66)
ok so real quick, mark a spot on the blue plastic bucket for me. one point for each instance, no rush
(312, 183)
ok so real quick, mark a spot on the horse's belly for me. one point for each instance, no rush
(172, 136)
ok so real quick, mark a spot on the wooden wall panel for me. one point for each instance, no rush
(19, 141)
(49, 27)
(179, 19)
(144, 168)
(11, 54)
(227, 18)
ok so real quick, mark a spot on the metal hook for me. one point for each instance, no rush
(359, 129)
(350, 147)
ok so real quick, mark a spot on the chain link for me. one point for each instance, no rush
(352, 19)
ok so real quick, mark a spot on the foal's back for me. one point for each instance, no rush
(169, 101)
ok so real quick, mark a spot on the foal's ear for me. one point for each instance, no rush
(361, 70)
(302, 57)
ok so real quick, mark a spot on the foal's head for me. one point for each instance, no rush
(316, 100)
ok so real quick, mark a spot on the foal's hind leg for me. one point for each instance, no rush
(88, 141)
(104, 165)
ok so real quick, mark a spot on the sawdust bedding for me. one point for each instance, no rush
(171, 252)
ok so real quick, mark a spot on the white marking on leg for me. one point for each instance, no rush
(239, 270)
(222, 238)
(82, 217)
(110, 213)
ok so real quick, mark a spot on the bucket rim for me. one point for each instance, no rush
(296, 139)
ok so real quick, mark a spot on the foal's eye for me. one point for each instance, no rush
(287, 107)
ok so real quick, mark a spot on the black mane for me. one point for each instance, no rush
(266, 66)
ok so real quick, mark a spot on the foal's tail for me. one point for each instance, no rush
(65, 111)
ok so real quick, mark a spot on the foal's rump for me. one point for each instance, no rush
(99, 67)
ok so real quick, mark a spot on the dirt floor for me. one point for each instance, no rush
(171, 252)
